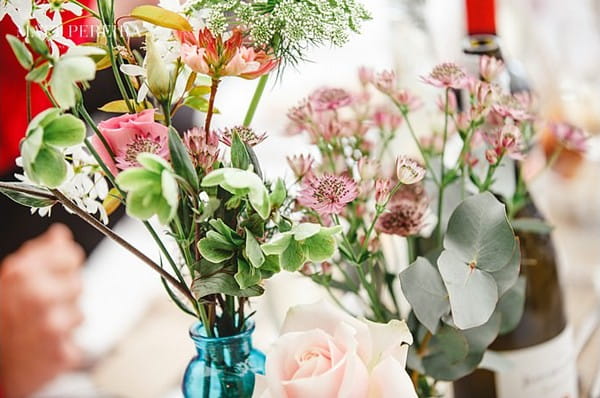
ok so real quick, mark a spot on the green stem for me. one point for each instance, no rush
(211, 106)
(424, 155)
(258, 92)
(375, 303)
(442, 185)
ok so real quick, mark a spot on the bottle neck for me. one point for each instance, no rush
(223, 351)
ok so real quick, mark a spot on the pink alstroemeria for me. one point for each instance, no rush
(128, 136)
(330, 99)
(446, 75)
(490, 68)
(246, 134)
(328, 194)
(203, 148)
(569, 136)
(210, 55)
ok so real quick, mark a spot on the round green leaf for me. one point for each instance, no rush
(320, 247)
(293, 257)
(49, 167)
(64, 131)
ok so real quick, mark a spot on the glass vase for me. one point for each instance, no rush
(224, 367)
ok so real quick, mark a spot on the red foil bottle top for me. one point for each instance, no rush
(481, 17)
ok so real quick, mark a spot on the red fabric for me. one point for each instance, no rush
(13, 109)
(481, 17)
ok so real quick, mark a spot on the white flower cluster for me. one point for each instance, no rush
(85, 184)
(46, 16)
(289, 26)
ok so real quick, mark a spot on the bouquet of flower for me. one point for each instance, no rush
(215, 203)
(449, 204)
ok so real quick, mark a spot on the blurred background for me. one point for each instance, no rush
(135, 340)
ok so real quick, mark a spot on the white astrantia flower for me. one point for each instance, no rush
(85, 185)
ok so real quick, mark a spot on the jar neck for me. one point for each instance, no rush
(223, 351)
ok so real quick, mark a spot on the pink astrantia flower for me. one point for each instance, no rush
(386, 120)
(368, 169)
(404, 218)
(203, 148)
(328, 194)
(490, 67)
(382, 190)
(385, 81)
(301, 165)
(408, 170)
(208, 54)
(569, 136)
(246, 134)
(510, 107)
(504, 141)
(447, 75)
(406, 100)
(365, 75)
(128, 136)
(330, 99)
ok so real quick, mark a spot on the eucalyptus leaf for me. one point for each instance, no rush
(511, 306)
(506, 276)
(479, 233)
(473, 293)
(424, 289)
(534, 225)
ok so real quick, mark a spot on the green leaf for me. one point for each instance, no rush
(278, 194)
(42, 119)
(451, 342)
(320, 247)
(198, 103)
(255, 224)
(246, 275)
(473, 293)
(21, 52)
(64, 131)
(38, 74)
(222, 228)
(137, 178)
(49, 167)
(30, 147)
(424, 289)
(511, 306)
(534, 225)
(180, 158)
(38, 45)
(506, 276)
(67, 72)
(141, 204)
(153, 162)
(479, 232)
(305, 230)
(199, 91)
(214, 250)
(270, 266)
(27, 199)
(293, 257)
(222, 283)
(253, 250)
(170, 194)
(277, 245)
(239, 155)
(161, 17)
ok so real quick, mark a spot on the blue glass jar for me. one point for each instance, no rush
(224, 367)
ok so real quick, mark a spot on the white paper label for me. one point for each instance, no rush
(546, 370)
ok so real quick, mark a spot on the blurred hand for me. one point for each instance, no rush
(39, 288)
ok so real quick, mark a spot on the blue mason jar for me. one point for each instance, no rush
(224, 367)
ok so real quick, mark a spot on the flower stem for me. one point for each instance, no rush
(424, 155)
(211, 106)
(442, 185)
(258, 92)
(122, 242)
(420, 352)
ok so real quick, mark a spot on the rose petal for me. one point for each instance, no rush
(390, 380)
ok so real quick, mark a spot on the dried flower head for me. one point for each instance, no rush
(330, 99)
(447, 75)
(246, 134)
(301, 165)
(408, 170)
(404, 218)
(569, 136)
(490, 68)
(328, 194)
(203, 148)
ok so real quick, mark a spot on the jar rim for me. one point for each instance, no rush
(198, 334)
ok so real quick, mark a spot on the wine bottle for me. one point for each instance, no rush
(541, 347)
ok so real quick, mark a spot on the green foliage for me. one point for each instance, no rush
(21, 52)
(48, 134)
(34, 197)
(180, 158)
(152, 189)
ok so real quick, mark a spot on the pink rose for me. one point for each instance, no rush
(325, 353)
(129, 135)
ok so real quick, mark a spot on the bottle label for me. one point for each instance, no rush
(546, 370)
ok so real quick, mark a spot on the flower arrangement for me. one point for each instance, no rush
(205, 187)
(448, 203)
